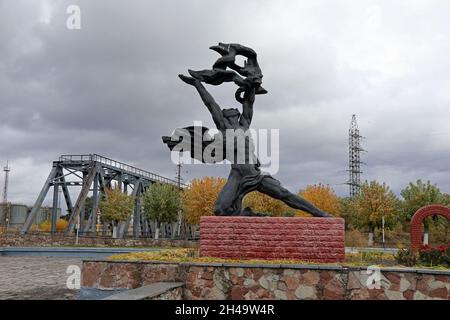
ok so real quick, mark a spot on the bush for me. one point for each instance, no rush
(433, 256)
(355, 238)
(61, 225)
(46, 226)
(406, 257)
(426, 255)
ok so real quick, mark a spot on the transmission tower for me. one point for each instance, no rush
(178, 176)
(354, 161)
(5, 209)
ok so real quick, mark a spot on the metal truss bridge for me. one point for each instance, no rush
(94, 173)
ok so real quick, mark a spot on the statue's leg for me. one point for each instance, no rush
(225, 200)
(272, 188)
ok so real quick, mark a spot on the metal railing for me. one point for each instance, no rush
(119, 165)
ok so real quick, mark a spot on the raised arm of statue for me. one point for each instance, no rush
(208, 100)
(247, 108)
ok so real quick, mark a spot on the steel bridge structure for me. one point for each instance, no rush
(94, 173)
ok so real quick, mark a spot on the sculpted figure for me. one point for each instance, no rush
(245, 176)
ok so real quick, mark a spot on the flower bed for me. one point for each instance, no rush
(430, 256)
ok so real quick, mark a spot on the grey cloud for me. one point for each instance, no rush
(112, 87)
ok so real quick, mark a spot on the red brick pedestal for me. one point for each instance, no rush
(308, 239)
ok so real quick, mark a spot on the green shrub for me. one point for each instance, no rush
(406, 257)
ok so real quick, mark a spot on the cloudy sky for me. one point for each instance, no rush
(111, 88)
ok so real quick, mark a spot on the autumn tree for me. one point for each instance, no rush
(346, 212)
(116, 206)
(419, 194)
(259, 202)
(323, 197)
(199, 198)
(162, 203)
(374, 202)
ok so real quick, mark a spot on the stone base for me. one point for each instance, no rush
(307, 239)
(248, 281)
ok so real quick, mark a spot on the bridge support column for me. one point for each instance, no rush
(55, 206)
(137, 216)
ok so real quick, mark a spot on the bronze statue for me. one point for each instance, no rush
(245, 176)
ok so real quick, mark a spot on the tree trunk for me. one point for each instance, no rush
(370, 239)
(174, 230)
(114, 231)
(426, 234)
(184, 229)
(157, 231)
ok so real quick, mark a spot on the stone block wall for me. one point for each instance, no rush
(249, 282)
(307, 239)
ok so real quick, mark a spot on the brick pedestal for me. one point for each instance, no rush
(308, 239)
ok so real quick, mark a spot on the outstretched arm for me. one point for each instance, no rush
(247, 108)
(207, 99)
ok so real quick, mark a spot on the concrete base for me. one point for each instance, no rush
(307, 239)
(146, 292)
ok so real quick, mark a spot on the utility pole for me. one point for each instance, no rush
(354, 163)
(182, 225)
(5, 207)
(178, 177)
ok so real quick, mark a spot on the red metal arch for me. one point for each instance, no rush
(417, 221)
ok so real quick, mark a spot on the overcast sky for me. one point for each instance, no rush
(112, 88)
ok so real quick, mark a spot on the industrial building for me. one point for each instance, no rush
(17, 214)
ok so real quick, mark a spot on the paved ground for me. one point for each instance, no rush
(36, 278)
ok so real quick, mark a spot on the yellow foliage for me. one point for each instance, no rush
(116, 206)
(262, 203)
(161, 255)
(61, 224)
(200, 197)
(303, 214)
(374, 202)
(192, 256)
(323, 197)
(46, 226)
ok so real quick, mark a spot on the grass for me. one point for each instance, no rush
(191, 255)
